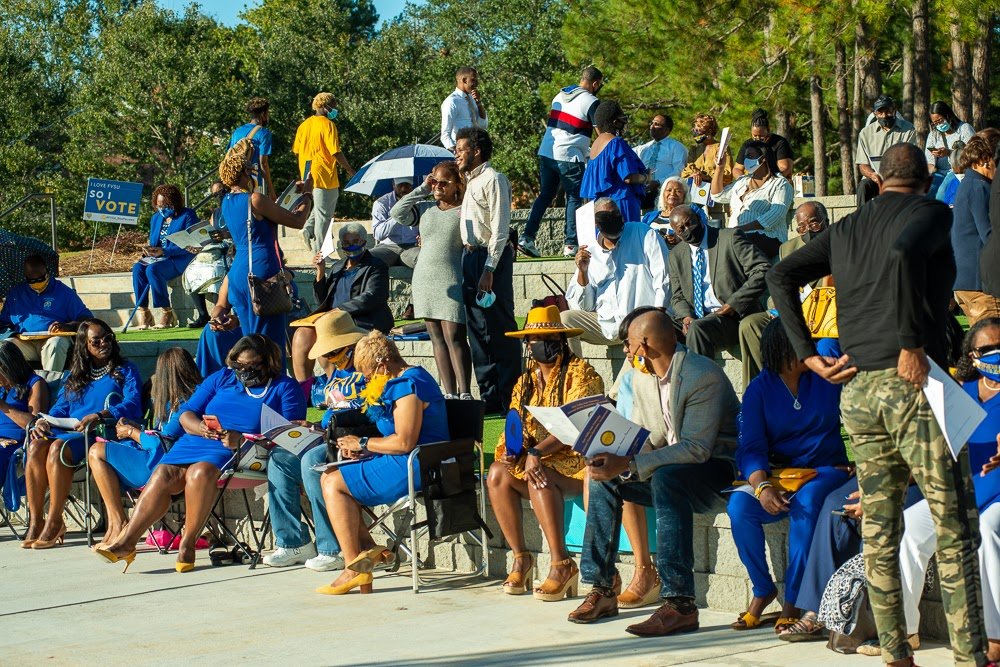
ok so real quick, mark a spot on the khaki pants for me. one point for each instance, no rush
(324, 206)
(977, 305)
(52, 352)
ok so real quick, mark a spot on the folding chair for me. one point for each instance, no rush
(451, 475)
(245, 472)
(16, 463)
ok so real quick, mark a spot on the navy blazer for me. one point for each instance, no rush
(181, 221)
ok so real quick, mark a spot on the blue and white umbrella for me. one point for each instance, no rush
(411, 161)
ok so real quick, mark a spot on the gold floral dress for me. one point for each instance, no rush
(577, 381)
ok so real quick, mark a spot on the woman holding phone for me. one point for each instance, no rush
(223, 407)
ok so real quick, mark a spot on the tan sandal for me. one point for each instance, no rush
(517, 582)
(168, 319)
(554, 591)
(628, 599)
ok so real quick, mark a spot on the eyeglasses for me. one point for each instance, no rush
(103, 340)
(979, 352)
(436, 182)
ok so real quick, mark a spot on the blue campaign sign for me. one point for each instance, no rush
(112, 201)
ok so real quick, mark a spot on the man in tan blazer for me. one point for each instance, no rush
(690, 409)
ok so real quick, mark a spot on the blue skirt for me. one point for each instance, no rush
(132, 463)
(73, 445)
(379, 480)
(195, 449)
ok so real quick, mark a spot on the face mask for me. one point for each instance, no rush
(887, 122)
(698, 138)
(545, 351)
(639, 363)
(353, 251)
(485, 299)
(692, 235)
(167, 212)
(943, 127)
(988, 366)
(332, 114)
(250, 377)
(40, 285)
(342, 360)
(374, 387)
(750, 165)
(610, 224)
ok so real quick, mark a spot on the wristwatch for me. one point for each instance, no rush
(363, 445)
(633, 471)
(534, 451)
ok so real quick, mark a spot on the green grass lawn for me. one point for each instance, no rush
(178, 333)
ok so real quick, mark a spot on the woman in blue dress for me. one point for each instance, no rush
(22, 395)
(790, 419)
(407, 406)
(129, 460)
(162, 261)
(252, 219)
(100, 385)
(614, 170)
(254, 377)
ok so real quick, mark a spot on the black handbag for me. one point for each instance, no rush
(451, 501)
(271, 296)
(347, 422)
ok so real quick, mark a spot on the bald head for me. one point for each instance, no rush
(648, 332)
(687, 224)
(811, 218)
(903, 165)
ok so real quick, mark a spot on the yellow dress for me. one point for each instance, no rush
(581, 380)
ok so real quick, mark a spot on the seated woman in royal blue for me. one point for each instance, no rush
(254, 377)
(407, 406)
(101, 384)
(790, 419)
(161, 260)
(22, 395)
(129, 460)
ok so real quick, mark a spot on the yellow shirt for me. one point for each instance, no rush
(317, 140)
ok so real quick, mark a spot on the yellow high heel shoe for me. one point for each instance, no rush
(553, 591)
(110, 557)
(182, 567)
(362, 580)
(369, 559)
(517, 582)
(629, 600)
(48, 544)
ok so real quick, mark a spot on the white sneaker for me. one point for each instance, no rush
(527, 246)
(466, 397)
(325, 563)
(282, 557)
(569, 251)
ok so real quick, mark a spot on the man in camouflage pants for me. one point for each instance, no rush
(893, 267)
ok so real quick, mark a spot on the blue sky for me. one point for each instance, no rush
(227, 11)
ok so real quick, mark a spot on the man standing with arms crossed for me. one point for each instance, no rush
(893, 265)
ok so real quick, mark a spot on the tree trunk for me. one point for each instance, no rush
(907, 101)
(868, 82)
(961, 84)
(981, 48)
(921, 71)
(844, 120)
(819, 139)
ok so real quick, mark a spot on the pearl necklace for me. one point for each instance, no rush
(795, 399)
(260, 395)
(98, 373)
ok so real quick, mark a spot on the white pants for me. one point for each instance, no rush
(918, 545)
(52, 352)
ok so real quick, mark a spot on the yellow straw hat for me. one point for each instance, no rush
(544, 320)
(335, 330)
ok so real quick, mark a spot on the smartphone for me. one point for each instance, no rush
(212, 422)
(841, 513)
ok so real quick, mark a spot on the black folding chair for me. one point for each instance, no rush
(451, 476)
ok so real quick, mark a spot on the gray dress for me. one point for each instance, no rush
(437, 277)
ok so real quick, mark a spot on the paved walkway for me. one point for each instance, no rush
(66, 606)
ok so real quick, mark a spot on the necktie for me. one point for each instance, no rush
(652, 155)
(699, 284)
(473, 110)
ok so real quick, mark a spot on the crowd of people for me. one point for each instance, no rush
(671, 281)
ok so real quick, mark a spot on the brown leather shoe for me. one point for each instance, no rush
(599, 603)
(665, 621)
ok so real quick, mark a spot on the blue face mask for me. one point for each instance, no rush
(485, 299)
(166, 212)
(332, 114)
(750, 165)
(989, 366)
(943, 127)
(353, 250)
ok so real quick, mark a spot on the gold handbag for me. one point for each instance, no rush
(789, 480)
(820, 311)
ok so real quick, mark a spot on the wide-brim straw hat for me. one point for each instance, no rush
(335, 330)
(542, 321)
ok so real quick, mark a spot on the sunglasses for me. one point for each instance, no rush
(979, 352)
(436, 182)
(247, 367)
(103, 340)
(35, 281)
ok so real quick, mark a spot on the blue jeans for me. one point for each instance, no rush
(748, 518)
(675, 492)
(286, 474)
(552, 174)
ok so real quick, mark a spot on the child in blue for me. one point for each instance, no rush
(407, 406)
(252, 220)
(22, 394)
(101, 384)
(790, 419)
(254, 377)
(151, 277)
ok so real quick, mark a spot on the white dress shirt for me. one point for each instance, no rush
(711, 303)
(768, 205)
(670, 159)
(632, 274)
(486, 212)
(458, 111)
